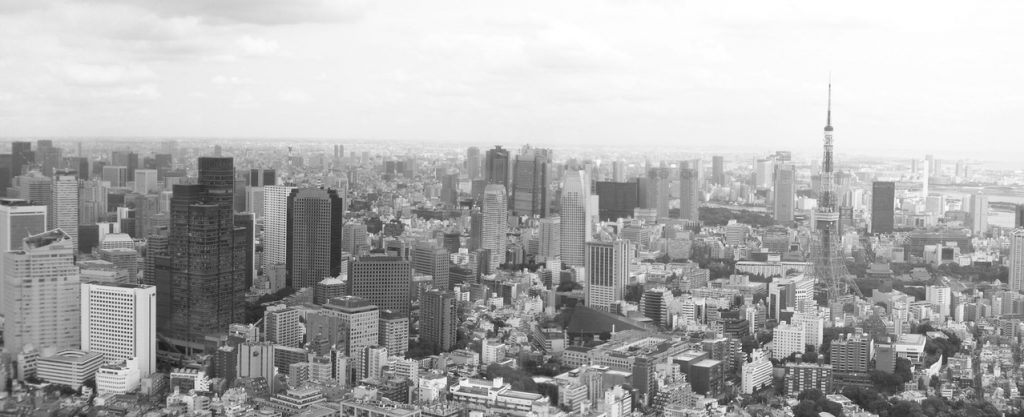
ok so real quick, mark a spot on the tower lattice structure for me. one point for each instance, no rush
(826, 248)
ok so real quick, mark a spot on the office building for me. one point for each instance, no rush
(788, 339)
(813, 327)
(607, 272)
(805, 376)
(353, 238)
(784, 197)
(384, 281)
(718, 170)
(530, 183)
(18, 219)
(851, 357)
(577, 218)
(41, 289)
(883, 203)
(69, 367)
(617, 199)
(146, 181)
(430, 259)
(116, 175)
(1015, 264)
(393, 333)
(63, 212)
(496, 166)
(206, 296)
(439, 320)
(550, 237)
(129, 160)
(978, 214)
(6, 173)
(689, 194)
(275, 224)
(757, 373)
(494, 230)
(119, 321)
(473, 163)
(21, 157)
(315, 218)
(34, 187)
(262, 177)
(282, 325)
(940, 297)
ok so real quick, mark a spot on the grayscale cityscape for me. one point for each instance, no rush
(540, 209)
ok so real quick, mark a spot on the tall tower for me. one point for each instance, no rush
(576, 217)
(829, 266)
(439, 325)
(785, 193)
(315, 217)
(275, 224)
(495, 224)
(119, 321)
(607, 272)
(63, 212)
(689, 194)
(530, 183)
(1017, 260)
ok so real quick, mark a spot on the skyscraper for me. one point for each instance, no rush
(42, 301)
(785, 193)
(607, 272)
(978, 214)
(550, 237)
(6, 168)
(146, 181)
(578, 212)
(18, 219)
(473, 163)
(617, 199)
(119, 321)
(496, 166)
(530, 184)
(275, 224)
(439, 322)
(63, 212)
(116, 175)
(21, 157)
(689, 194)
(883, 202)
(1016, 264)
(1018, 220)
(208, 265)
(432, 259)
(315, 217)
(718, 170)
(495, 224)
(384, 281)
(353, 238)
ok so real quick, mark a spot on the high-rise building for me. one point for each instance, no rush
(119, 321)
(439, 320)
(315, 217)
(146, 181)
(813, 327)
(282, 325)
(393, 333)
(208, 265)
(785, 193)
(978, 214)
(1016, 263)
(618, 171)
(450, 190)
(34, 187)
(577, 217)
(41, 289)
(275, 224)
(384, 281)
(116, 175)
(940, 297)
(262, 177)
(617, 199)
(718, 170)
(353, 238)
(495, 224)
(851, 358)
(18, 219)
(473, 163)
(607, 271)
(21, 157)
(530, 183)
(883, 203)
(1018, 221)
(496, 166)
(689, 194)
(6, 169)
(63, 212)
(431, 259)
(550, 237)
(787, 339)
(657, 190)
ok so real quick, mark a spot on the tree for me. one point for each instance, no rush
(809, 357)
(903, 369)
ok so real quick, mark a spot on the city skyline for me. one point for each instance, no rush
(460, 71)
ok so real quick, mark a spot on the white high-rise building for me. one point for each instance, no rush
(607, 271)
(42, 301)
(550, 237)
(119, 321)
(579, 209)
(63, 213)
(786, 339)
(978, 215)
(275, 224)
(940, 297)
(495, 224)
(813, 327)
(145, 181)
(1017, 260)
(757, 373)
(18, 219)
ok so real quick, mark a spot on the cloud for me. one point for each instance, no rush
(225, 80)
(144, 92)
(253, 46)
(295, 96)
(87, 74)
(260, 12)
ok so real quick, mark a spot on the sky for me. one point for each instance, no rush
(921, 77)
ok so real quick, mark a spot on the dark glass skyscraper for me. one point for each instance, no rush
(496, 166)
(439, 323)
(530, 185)
(617, 199)
(883, 195)
(21, 155)
(207, 255)
(315, 218)
(718, 170)
(385, 281)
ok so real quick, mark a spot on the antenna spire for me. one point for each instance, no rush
(828, 117)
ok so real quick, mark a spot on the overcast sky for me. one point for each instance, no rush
(927, 76)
